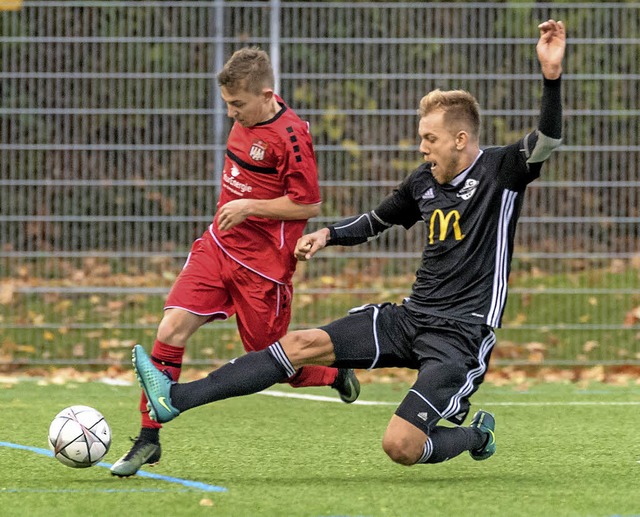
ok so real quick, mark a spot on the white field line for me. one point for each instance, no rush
(319, 398)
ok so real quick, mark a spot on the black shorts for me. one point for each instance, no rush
(451, 357)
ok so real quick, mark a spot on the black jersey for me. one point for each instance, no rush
(470, 226)
(470, 222)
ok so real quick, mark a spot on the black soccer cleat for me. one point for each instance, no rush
(486, 424)
(142, 453)
(347, 385)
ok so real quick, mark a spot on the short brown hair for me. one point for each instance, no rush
(462, 110)
(247, 69)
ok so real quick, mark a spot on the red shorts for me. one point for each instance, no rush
(213, 284)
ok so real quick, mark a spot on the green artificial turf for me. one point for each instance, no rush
(562, 451)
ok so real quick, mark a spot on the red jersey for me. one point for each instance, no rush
(267, 161)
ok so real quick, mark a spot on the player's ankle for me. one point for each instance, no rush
(150, 434)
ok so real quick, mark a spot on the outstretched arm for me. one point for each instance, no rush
(399, 207)
(348, 232)
(550, 50)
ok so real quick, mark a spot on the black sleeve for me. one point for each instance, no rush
(538, 145)
(356, 230)
(400, 207)
(551, 110)
(397, 208)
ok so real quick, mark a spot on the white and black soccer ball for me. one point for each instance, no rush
(79, 436)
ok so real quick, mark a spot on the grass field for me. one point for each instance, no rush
(562, 451)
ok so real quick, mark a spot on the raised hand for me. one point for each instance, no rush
(550, 48)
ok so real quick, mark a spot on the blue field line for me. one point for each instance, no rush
(170, 479)
(93, 490)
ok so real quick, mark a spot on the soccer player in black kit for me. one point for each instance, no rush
(469, 201)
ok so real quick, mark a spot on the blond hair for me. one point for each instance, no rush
(461, 109)
(247, 69)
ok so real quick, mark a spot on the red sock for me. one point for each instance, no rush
(313, 376)
(169, 359)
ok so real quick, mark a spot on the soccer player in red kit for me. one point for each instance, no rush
(244, 261)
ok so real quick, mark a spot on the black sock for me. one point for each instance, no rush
(244, 375)
(150, 434)
(445, 443)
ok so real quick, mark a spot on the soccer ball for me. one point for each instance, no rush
(79, 436)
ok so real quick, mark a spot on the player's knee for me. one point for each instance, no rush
(301, 343)
(400, 449)
(307, 347)
(171, 331)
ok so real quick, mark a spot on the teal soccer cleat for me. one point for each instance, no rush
(486, 424)
(156, 386)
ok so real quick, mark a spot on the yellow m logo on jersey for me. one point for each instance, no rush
(444, 225)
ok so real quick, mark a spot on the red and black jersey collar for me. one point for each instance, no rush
(283, 108)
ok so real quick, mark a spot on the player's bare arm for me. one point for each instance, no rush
(308, 245)
(550, 48)
(282, 209)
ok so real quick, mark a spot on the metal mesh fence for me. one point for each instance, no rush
(112, 136)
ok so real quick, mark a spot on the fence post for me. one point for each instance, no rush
(274, 36)
(217, 104)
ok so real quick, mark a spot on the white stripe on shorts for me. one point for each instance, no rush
(454, 405)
